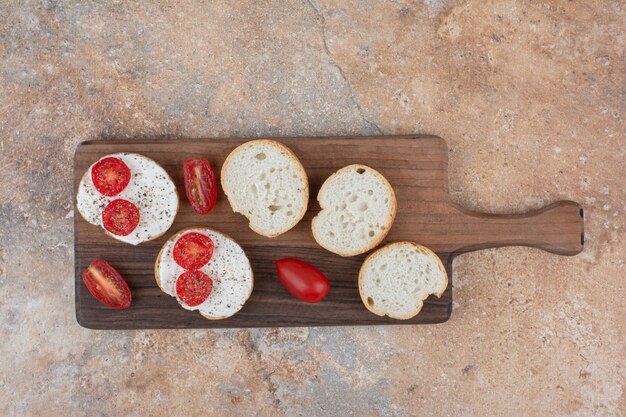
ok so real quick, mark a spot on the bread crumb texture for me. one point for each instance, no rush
(265, 182)
(358, 207)
(396, 279)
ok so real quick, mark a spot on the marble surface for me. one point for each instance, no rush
(529, 95)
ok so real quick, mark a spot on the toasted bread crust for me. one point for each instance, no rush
(157, 274)
(390, 246)
(291, 156)
(388, 223)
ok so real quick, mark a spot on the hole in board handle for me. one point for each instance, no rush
(582, 234)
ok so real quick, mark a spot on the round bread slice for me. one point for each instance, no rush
(395, 280)
(150, 189)
(229, 268)
(358, 208)
(265, 181)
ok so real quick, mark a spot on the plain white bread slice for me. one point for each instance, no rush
(265, 181)
(229, 268)
(358, 208)
(395, 280)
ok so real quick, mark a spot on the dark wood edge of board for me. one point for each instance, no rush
(225, 324)
(166, 139)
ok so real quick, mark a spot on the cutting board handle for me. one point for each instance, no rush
(557, 228)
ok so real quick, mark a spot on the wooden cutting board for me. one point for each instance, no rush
(416, 166)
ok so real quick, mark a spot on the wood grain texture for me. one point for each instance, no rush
(416, 166)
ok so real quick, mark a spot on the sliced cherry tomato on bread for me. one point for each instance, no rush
(200, 185)
(303, 280)
(193, 287)
(193, 250)
(107, 285)
(120, 217)
(110, 176)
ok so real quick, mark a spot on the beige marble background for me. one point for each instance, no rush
(530, 96)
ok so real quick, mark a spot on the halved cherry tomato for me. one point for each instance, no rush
(193, 287)
(107, 285)
(120, 217)
(193, 250)
(110, 176)
(303, 280)
(200, 185)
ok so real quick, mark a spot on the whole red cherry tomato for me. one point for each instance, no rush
(200, 185)
(303, 280)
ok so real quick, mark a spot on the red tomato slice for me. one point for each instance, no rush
(107, 285)
(193, 250)
(303, 280)
(120, 217)
(200, 185)
(193, 287)
(110, 176)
